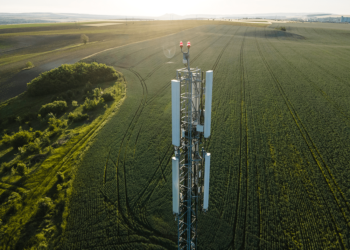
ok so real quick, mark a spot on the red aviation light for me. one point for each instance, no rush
(181, 44)
(188, 44)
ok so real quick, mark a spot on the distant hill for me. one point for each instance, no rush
(37, 17)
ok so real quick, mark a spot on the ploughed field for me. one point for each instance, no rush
(280, 144)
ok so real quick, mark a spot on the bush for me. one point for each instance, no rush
(45, 141)
(29, 64)
(84, 38)
(108, 97)
(77, 117)
(34, 147)
(53, 107)
(74, 103)
(92, 104)
(97, 92)
(22, 169)
(45, 204)
(71, 76)
(19, 139)
(38, 134)
(282, 28)
(55, 123)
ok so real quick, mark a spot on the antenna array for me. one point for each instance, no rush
(191, 165)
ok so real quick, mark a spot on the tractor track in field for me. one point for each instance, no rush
(125, 141)
(313, 150)
(230, 175)
(116, 164)
(256, 204)
(135, 121)
(243, 123)
(207, 142)
(144, 59)
(299, 188)
(127, 135)
(330, 101)
(215, 64)
(314, 85)
(316, 155)
(244, 113)
(323, 69)
(130, 128)
(138, 200)
(214, 67)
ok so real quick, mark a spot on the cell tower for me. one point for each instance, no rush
(191, 165)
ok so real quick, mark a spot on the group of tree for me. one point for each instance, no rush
(70, 76)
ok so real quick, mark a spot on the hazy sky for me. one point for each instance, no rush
(160, 7)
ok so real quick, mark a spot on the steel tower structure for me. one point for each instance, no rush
(191, 165)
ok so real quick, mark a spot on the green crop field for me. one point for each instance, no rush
(279, 144)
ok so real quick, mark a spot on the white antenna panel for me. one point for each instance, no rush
(195, 96)
(176, 185)
(208, 99)
(175, 112)
(206, 181)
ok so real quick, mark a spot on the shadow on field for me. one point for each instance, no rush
(9, 156)
(272, 33)
(18, 83)
(27, 238)
(43, 218)
(31, 44)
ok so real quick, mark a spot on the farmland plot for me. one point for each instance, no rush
(280, 144)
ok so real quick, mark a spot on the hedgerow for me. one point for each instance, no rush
(69, 76)
(43, 153)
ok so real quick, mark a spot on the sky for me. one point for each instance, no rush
(161, 7)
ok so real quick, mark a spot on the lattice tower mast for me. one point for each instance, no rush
(191, 165)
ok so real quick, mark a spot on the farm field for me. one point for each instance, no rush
(48, 46)
(279, 143)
